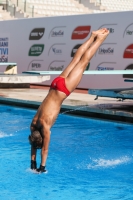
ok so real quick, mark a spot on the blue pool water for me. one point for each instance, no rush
(88, 159)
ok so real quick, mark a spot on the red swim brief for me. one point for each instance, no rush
(59, 84)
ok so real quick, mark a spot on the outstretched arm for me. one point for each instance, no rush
(33, 158)
(44, 152)
(33, 152)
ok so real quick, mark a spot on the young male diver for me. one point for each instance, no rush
(60, 89)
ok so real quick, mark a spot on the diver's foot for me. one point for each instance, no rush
(103, 34)
(95, 33)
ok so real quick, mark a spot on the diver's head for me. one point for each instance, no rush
(36, 140)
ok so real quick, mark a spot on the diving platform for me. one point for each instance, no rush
(90, 72)
(123, 93)
(23, 78)
(119, 94)
(10, 78)
(112, 93)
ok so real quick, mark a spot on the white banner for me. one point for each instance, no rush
(49, 43)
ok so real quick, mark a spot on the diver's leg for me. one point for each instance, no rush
(75, 75)
(81, 50)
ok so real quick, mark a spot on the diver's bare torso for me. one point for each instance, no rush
(48, 110)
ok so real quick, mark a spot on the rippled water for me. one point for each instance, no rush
(88, 159)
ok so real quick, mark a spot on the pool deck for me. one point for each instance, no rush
(78, 103)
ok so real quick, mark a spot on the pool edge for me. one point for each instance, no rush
(106, 114)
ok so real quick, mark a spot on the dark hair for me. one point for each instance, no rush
(35, 140)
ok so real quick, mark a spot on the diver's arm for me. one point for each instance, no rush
(33, 158)
(33, 151)
(44, 151)
(46, 139)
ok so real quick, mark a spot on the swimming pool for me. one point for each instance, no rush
(88, 159)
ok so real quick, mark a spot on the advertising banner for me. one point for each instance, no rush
(49, 43)
(4, 47)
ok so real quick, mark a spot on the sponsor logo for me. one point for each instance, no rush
(59, 33)
(128, 32)
(36, 34)
(100, 68)
(129, 67)
(111, 30)
(128, 53)
(56, 50)
(80, 32)
(75, 49)
(35, 65)
(104, 66)
(106, 51)
(4, 47)
(56, 66)
(36, 50)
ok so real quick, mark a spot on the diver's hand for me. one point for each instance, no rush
(33, 164)
(41, 169)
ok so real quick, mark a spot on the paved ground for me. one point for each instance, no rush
(78, 103)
